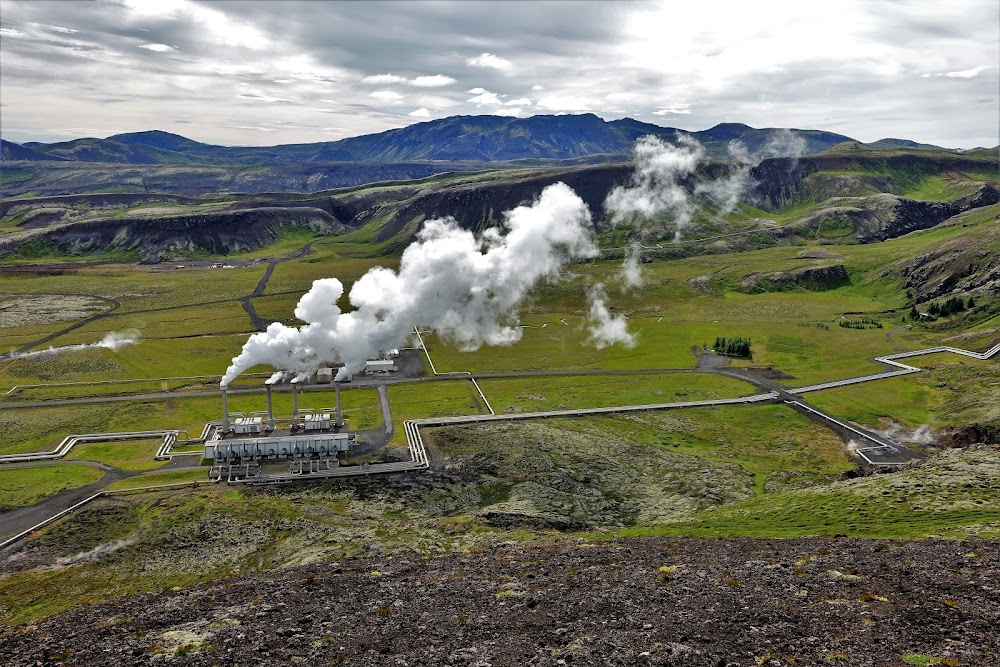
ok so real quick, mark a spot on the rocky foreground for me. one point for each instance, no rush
(623, 602)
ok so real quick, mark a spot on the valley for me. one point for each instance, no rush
(830, 265)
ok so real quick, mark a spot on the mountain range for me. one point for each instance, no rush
(457, 138)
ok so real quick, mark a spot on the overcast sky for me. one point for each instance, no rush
(263, 73)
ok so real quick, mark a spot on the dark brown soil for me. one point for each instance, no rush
(624, 602)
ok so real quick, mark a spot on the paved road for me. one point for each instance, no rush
(375, 382)
(259, 322)
(17, 520)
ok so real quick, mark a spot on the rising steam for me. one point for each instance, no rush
(111, 341)
(464, 288)
(657, 185)
(606, 329)
(655, 189)
(726, 192)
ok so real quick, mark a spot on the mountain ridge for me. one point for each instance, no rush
(482, 138)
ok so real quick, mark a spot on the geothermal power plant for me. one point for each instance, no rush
(258, 437)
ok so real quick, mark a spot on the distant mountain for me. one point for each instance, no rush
(457, 138)
(902, 143)
(11, 151)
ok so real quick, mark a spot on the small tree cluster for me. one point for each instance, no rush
(862, 323)
(950, 307)
(733, 347)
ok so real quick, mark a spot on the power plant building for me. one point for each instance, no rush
(310, 434)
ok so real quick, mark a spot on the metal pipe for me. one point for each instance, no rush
(226, 425)
(340, 415)
(269, 425)
(295, 401)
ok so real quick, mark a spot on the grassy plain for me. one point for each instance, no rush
(131, 455)
(157, 478)
(583, 391)
(21, 487)
(951, 391)
(41, 428)
(446, 398)
(949, 496)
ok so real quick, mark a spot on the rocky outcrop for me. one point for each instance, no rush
(813, 278)
(218, 233)
(481, 204)
(965, 264)
(884, 216)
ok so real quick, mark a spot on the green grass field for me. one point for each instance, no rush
(950, 496)
(40, 429)
(157, 478)
(131, 455)
(446, 398)
(777, 447)
(951, 391)
(583, 391)
(21, 487)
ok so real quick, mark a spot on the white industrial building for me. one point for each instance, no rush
(252, 438)
(379, 366)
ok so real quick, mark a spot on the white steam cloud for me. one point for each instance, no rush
(466, 289)
(655, 190)
(606, 329)
(111, 341)
(656, 187)
(725, 193)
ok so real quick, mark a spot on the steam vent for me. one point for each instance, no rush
(258, 437)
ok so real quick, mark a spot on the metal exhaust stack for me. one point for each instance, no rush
(269, 425)
(295, 400)
(226, 425)
(340, 415)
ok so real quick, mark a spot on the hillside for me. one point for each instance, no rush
(626, 602)
(462, 138)
(850, 194)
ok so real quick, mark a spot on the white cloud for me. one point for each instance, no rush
(507, 111)
(537, 87)
(675, 109)
(476, 91)
(159, 48)
(386, 95)
(435, 81)
(246, 91)
(968, 73)
(520, 102)
(485, 98)
(420, 113)
(564, 103)
(489, 60)
(383, 79)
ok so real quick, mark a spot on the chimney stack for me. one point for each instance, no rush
(340, 415)
(226, 425)
(295, 400)
(269, 425)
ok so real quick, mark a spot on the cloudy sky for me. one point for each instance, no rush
(263, 73)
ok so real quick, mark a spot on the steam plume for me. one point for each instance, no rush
(606, 329)
(464, 288)
(111, 341)
(656, 187)
(726, 192)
